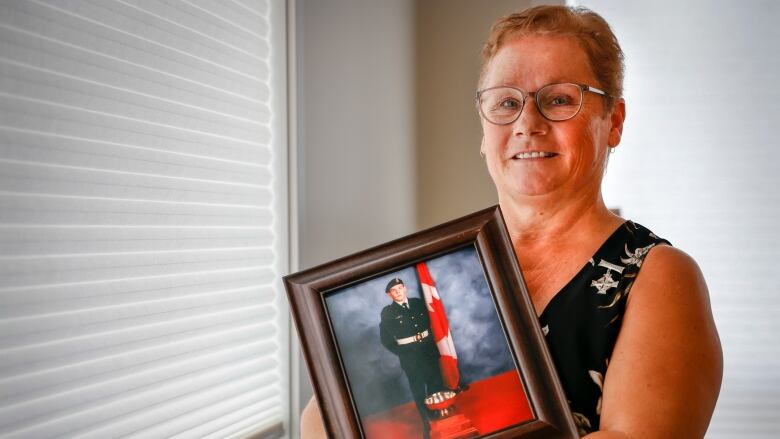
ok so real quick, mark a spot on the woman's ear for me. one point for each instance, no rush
(617, 117)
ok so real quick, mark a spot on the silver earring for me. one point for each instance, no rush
(481, 153)
(612, 150)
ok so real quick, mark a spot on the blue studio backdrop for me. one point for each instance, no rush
(375, 377)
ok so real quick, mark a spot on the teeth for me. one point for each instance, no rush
(533, 155)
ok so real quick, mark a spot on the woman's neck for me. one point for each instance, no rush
(545, 222)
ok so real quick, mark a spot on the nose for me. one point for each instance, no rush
(530, 122)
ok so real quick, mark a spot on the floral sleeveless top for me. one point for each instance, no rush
(581, 323)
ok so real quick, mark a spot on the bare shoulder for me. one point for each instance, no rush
(665, 373)
(669, 273)
(669, 257)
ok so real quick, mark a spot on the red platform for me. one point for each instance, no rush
(491, 404)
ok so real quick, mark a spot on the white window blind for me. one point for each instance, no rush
(143, 218)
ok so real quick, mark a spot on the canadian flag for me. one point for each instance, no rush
(440, 328)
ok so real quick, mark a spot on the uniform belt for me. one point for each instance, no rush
(416, 337)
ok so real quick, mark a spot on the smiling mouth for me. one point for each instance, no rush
(534, 155)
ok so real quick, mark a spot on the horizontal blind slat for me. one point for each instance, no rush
(60, 24)
(113, 293)
(129, 424)
(21, 110)
(128, 329)
(20, 325)
(230, 412)
(44, 86)
(187, 390)
(46, 142)
(225, 13)
(148, 267)
(121, 380)
(96, 362)
(201, 19)
(28, 48)
(250, 425)
(170, 32)
(60, 372)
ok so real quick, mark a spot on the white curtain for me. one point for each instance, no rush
(143, 218)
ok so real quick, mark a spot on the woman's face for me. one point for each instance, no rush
(578, 145)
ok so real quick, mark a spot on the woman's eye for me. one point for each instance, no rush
(560, 100)
(509, 104)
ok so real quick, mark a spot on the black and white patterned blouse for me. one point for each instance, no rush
(581, 323)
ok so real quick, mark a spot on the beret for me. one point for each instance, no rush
(393, 282)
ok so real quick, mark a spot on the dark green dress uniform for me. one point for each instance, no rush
(419, 357)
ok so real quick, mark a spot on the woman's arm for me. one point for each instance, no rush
(665, 372)
(311, 422)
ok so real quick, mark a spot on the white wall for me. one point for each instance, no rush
(699, 165)
(452, 178)
(355, 128)
(356, 116)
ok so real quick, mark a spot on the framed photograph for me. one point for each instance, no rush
(429, 336)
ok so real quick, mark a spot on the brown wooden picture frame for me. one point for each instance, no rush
(487, 232)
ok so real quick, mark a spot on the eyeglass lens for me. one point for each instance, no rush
(502, 105)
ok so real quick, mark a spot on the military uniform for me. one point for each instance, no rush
(407, 334)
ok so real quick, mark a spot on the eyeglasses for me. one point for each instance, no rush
(556, 102)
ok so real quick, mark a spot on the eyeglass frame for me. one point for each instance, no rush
(532, 94)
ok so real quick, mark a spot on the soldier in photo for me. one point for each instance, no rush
(405, 331)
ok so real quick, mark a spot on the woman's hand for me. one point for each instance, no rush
(311, 422)
(665, 372)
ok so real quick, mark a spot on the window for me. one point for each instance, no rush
(143, 218)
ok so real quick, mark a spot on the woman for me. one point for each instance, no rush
(626, 316)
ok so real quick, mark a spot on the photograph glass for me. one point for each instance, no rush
(424, 351)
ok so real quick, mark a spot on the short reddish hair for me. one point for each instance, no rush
(587, 27)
